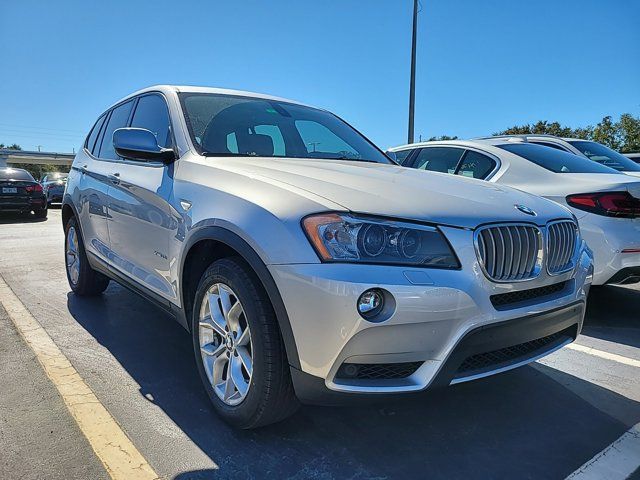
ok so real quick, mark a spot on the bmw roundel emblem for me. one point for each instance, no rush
(526, 210)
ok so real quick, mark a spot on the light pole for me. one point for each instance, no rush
(412, 85)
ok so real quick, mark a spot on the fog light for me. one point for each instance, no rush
(350, 370)
(370, 303)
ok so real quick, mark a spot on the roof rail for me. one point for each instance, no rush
(524, 136)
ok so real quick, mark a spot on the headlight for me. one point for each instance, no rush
(350, 238)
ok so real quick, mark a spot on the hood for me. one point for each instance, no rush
(394, 191)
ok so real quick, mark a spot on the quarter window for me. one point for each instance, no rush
(401, 155)
(91, 139)
(439, 159)
(152, 114)
(476, 165)
(118, 119)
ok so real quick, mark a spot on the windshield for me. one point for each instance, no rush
(227, 125)
(54, 177)
(555, 160)
(604, 155)
(15, 174)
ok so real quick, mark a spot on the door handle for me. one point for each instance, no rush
(83, 168)
(115, 178)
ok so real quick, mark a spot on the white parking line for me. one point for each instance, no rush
(120, 457)
(616, 462)
(606, 355)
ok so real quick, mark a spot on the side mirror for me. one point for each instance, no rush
(140, 144)
(392, 156)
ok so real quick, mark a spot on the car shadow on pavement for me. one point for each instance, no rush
(534, 422)
(613, 315)
(8, 218)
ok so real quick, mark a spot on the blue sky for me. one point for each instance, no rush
(482, 65)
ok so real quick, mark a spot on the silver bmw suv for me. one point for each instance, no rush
(306, 264)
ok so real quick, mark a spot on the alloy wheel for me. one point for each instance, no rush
(225, 344)
(72, 255)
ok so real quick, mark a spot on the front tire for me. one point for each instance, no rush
(83, 279)
(238, 347)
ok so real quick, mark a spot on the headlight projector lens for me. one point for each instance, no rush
(374, 240)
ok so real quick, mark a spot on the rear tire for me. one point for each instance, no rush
(41, 212)
(83, 279)
(231, 305)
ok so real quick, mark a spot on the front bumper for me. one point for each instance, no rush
(435, 312)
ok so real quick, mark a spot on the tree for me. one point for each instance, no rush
(442, 137)
(607, 133)
(623, 135)
(13, 146)
(630, 133)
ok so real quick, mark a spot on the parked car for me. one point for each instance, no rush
(305, 263)
(53, 185)
(584, 148)
(635, 156)
(605, 201)
(20, 193)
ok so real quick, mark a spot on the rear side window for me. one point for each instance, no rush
(152, 114)
(605, 156)
(91, 139)
(438, 159)
(476, 165)
(118, 119)
(401, 155)
(555, 160)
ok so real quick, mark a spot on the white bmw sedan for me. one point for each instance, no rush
(605, 201)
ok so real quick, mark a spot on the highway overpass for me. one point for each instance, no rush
(15, 157)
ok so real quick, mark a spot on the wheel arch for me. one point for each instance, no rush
(211, 243)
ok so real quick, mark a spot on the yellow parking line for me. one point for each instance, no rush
(120, 457)
(606, 355)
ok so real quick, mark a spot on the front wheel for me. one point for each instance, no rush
(238, 347)
(83, 279)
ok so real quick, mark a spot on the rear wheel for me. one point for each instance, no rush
(83, 279)
(238, 347)
(40, 212)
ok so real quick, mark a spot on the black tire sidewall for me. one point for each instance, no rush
(226, 271)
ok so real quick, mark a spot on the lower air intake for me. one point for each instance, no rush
(377, 371)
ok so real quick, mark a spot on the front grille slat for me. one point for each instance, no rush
(500, 254)
(517, 256)
(509, 252)
(514, 252)
(561, 245)
(509, 247)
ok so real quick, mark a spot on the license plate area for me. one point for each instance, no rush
(9, 190)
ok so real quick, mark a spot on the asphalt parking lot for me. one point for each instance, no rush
(541, 421)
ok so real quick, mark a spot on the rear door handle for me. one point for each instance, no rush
(83, 168)
(115, 178)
